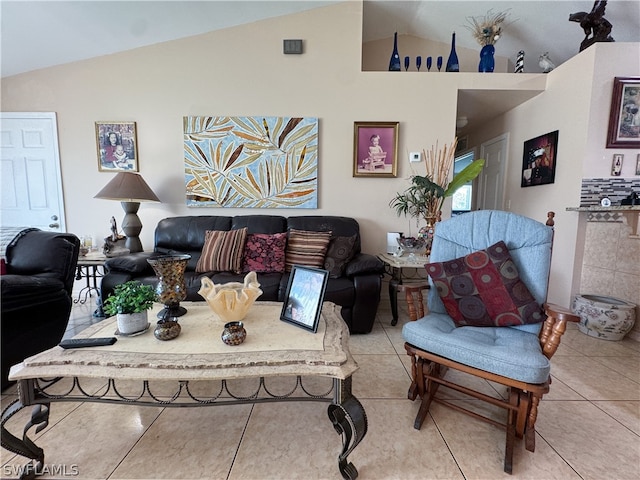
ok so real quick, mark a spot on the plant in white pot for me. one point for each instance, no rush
(130, 303)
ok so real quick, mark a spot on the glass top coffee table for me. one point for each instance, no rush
(197, 369)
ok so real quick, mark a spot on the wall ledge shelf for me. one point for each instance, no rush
(597, 213)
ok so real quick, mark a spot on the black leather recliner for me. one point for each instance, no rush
(36, 293)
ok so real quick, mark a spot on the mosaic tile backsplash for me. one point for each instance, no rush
(594, 189)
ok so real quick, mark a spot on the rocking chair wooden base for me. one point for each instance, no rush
(428, 371)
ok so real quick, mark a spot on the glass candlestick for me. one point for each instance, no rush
(418, 62)
(429, 63)
(439, 63)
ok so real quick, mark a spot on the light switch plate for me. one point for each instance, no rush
(415, 157)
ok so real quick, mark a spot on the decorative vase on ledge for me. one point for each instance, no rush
(487, 61)
(394, 62)
(452, 62)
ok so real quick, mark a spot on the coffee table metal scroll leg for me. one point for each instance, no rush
(25, 447)
(350, 420)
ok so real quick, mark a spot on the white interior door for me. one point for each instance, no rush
(30, 167)
(491, 181)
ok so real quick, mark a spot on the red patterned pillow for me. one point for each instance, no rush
(264, 253)
(306, 248)
(484, 289)
(222, 251)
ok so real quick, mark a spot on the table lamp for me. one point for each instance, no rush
(131, 189)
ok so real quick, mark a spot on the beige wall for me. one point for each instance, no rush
(242, 71)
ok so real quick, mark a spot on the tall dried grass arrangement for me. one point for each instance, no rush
(439, 162)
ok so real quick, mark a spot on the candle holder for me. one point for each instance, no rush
(171, 288)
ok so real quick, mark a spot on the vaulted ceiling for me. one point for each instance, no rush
(38, 34)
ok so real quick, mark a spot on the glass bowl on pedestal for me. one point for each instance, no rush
(171, 288)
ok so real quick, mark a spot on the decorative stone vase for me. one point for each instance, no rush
(487, 61)
(604, 317)
(171, 289)
(130, 323)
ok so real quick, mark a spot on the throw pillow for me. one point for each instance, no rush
(339, 253)
(306, 248)
(222, 251)
(264, 253)
(484, 289)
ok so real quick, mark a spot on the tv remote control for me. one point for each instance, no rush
(88, 342)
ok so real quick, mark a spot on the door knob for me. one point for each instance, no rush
(54, 217)
(54, 225)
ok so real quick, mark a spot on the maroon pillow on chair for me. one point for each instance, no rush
(484, 289)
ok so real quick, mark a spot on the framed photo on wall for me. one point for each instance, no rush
(304, 297)
(375, 149)
(117, 146)
(624, 118)
(539, 160)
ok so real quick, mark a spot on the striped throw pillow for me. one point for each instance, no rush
(222, 251)
(306, 248)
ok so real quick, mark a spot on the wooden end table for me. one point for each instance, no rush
(272, 348)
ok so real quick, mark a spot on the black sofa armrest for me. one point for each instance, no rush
(131, 263)
(362, 264)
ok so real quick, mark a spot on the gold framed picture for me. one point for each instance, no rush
(375, 149)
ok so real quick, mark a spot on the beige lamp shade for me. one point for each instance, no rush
(130, 189)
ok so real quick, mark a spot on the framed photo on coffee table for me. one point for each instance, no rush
(304, 297)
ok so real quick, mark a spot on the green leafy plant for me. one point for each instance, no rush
(424, 198)
(130, 297)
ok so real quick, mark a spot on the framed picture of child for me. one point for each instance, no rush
(375, 149)
(117, 146)
(305, 294)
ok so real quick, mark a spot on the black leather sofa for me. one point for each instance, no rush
(36, 293)
(357, 291)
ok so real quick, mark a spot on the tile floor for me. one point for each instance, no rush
(588, 427)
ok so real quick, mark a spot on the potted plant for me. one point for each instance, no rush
(130, 303)
(424, 198)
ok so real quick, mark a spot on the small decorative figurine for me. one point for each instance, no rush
(545, 63)
(593, 23)
(520, 62)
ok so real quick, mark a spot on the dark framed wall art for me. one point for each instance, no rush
(539, 160)
(375, 149)
(117, 146)
(624, 117)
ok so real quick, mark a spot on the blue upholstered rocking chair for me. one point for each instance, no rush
(516, 356)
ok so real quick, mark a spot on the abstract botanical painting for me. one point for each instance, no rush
(251, 162)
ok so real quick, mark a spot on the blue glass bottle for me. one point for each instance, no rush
(394, 62)
(452, 62)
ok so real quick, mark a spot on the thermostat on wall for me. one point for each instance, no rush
(605, 202)
(415, 157)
